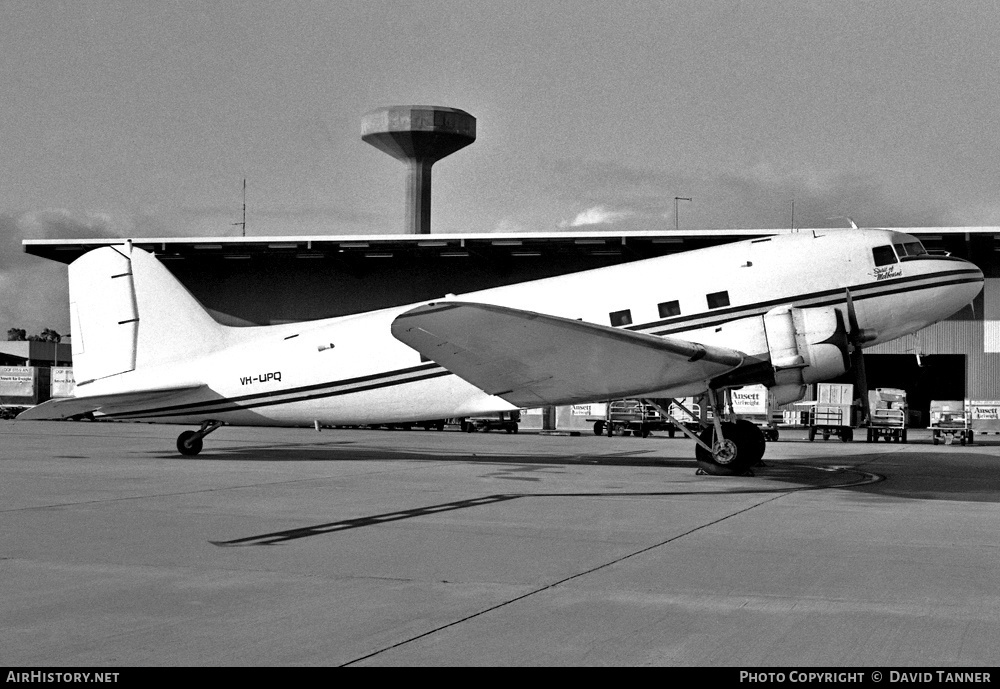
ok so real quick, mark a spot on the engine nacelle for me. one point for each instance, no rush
(806, 345)
(786, 394)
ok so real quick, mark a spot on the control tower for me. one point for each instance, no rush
(418, 135)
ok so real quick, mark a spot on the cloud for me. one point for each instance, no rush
(755, 196)
(597, 215)
(34, 291)
(510, 225)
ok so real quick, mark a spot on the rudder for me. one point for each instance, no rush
(128, 312)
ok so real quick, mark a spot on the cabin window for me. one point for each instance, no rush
(884, 255)
(621, 317)
(669, 308)
(717, 300)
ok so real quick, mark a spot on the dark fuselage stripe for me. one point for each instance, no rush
(382, 380)
(267, 398)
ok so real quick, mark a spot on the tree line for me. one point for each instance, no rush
(20, 335)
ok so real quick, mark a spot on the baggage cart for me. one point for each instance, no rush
(888, 415)
(501, 421)
(949, 422)
(688, 416)
(629, 417)
(829, 420)
(833, 412)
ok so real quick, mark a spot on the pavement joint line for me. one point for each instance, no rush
(276, 537)
(554, 584)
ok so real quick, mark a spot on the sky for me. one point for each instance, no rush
(142, 118)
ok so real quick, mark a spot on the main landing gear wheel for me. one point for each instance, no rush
(188, 443)
(733, 455)
(755, 441)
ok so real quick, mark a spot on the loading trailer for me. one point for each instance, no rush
(627, 417)
(950, 422)
(833, 413)
(888, 415)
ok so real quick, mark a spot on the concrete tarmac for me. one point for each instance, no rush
(280, 547)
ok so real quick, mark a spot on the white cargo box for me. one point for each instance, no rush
(835, 393)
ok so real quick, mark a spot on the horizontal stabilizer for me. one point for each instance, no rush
(530, 359)
(65, 408)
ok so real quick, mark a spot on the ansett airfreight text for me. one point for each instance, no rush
(876, 676)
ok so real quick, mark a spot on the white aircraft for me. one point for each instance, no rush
(785, 311)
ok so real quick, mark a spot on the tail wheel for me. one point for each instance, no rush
(188, 443)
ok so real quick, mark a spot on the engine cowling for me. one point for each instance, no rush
(806, 345)
(786, 394)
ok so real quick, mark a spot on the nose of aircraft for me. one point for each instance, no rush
(969, 281)
(977, 278)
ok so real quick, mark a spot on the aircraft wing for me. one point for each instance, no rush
(64, 408)
(531, 360)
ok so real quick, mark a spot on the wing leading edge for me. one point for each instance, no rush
(530, 359)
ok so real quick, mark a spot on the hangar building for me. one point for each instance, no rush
(266, 280)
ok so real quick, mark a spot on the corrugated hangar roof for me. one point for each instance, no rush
(513, 245)
(262, 280)
(390, 246)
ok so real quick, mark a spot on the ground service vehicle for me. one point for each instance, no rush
(501, 421)
(888, 415)
(950, 421)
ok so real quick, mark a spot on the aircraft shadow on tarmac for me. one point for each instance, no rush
(839, 477)
(948, 474)
(351, 451)
(915, 475)
(903, 476)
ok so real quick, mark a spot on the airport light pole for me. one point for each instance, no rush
(676, 199)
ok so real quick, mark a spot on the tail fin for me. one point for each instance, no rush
(128, 312)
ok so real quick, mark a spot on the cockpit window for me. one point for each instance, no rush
(884, 255)
(914, 249)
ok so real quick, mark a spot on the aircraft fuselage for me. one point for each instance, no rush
(351, 370)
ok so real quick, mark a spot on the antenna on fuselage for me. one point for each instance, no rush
(244, 223)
